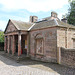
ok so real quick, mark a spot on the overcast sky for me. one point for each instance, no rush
(22, 9)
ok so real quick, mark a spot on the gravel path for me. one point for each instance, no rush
(50, 67)
(10, 67)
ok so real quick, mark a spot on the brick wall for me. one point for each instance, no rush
(50, 44)
(68, 57)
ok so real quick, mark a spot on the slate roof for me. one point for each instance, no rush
(50, 23)
(27, 26)
(63, 24)
(21, 25)
(49, 18)
(44, 24)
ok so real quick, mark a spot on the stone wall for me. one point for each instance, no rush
(10, 28)
(68, 57)
(61, 37)
(65, 37)
(49, 36)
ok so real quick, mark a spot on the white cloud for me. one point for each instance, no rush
(3, 24)
(33, 5)
(25, 19)
(61, 14)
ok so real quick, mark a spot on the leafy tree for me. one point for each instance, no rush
(71, 13)
(1, 36)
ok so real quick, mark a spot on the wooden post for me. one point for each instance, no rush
(59, 55)
(19, 44)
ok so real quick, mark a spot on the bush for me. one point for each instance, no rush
(1, 40)
(1, 36)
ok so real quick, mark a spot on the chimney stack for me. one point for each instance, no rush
(54, 14)
(64, 20)
(33, 19)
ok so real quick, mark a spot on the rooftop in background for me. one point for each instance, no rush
(54, 15)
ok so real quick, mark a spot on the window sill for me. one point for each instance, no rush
(40, 54)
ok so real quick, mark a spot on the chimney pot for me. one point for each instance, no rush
(33, 19)
(54, 14)
(64, 20)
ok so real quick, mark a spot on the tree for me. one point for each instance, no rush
(71, 13)
(1, 36)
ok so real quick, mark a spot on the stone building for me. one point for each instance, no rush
(39, 39)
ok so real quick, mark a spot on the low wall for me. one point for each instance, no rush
(68, 57)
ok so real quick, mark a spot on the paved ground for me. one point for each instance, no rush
(50, 67)
(10, 67)
(29, 67)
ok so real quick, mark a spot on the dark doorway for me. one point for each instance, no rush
(24, 44)
(10, 47)
(16, 43)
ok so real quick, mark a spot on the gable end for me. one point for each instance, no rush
(10, 27)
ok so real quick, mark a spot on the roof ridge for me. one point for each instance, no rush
(56, 22)
(31, 27)
(15, 24)
(45, 21)
(21, 21)
(17, 20)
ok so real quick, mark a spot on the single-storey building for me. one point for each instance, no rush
(39, 39)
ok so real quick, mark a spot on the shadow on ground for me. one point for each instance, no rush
(62, 70)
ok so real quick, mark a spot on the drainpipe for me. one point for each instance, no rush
(66, 37)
